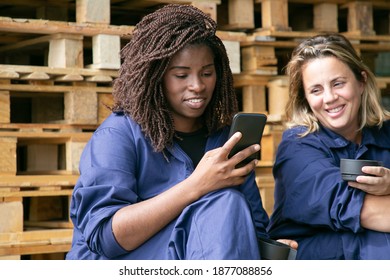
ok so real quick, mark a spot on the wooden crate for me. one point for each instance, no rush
(59, 96)
(33, 220)
(41, 148)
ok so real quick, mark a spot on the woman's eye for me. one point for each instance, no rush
(315, 91)
(181, 76)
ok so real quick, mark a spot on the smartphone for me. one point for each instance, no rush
(251, 125)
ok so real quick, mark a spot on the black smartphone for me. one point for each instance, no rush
(251, 125)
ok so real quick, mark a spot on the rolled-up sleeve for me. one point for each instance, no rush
(106, 184)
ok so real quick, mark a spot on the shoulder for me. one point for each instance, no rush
(379, 135)
(293, 142)
(118, 125)
(118, 121)
(386, 125)
(294, 132)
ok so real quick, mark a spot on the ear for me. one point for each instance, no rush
(363, 82)
(364, 76)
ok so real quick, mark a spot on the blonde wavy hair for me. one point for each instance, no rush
(298, 111)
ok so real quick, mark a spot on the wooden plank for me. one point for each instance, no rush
(9, 75)
(5, 107)
(46, 137)
(35, 242)
(98, 78)
(360, 18)
(278, 90)
(209, 8)
(106, 49)
(263, 70)
(47, 127)
(92, 11)
(35, 248)
(38, 26)
(233, 51)
(50, 88)
(254, 99)
(33, 192)
(256, 56)
(302, 35)
(245, 79)
(7, 155)
(33, 26)
(104, 100)
(42, 181)
(66, 51)
(36, 185)
(11, 219)
(85, 72)
(35, 76)
(241, 15)
(325, 17)
(81, 106)
(69, 78)
(55, 236)
(269, 143)
(274, 14)
(49, 224)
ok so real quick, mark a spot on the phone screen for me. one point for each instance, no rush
(251, 125)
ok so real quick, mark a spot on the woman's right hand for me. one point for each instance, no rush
(216, 171)
(377, 184)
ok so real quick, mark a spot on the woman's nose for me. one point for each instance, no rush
(329, 96)
(196, 84)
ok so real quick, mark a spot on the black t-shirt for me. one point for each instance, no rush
(193, 143)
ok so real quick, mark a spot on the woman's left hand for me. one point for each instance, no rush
(292, 243)
(377, 184)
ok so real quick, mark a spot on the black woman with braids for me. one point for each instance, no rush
(155, 179)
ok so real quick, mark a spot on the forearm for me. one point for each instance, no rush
(136, 223)
(375, 213)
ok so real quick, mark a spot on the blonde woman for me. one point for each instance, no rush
(335, 112)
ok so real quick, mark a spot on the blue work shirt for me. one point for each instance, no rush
(313, 204)
(119, 167)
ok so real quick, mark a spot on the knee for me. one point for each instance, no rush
(225, 199)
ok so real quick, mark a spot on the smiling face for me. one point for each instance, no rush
(189, 84)
(334, 95)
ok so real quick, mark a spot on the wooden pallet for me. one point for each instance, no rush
(41, 152)
(37, 232)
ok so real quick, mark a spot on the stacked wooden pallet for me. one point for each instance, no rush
(58, 59)
(48, 113)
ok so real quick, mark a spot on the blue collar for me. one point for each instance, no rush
(375, 136)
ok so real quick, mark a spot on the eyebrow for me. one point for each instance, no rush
(186, 67)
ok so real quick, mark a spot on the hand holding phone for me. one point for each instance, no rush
(251, 126)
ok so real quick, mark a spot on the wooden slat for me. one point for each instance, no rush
(47, 137)
(45, 127)
(35, 242)
(36, 185)
(49, 224)
(85, 72)
(36, 26)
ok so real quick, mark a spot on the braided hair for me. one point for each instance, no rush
(138, 90)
